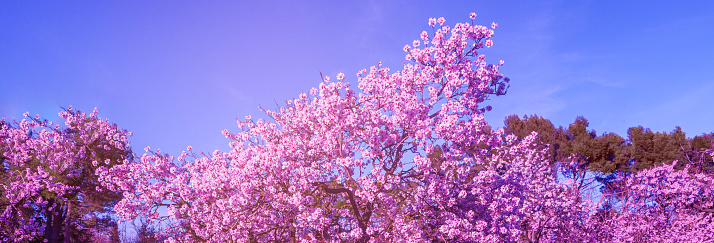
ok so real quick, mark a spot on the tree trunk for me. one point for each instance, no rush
(48, 217)
(68, 223)
(56, 224)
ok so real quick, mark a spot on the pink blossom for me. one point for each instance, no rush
(31, 191)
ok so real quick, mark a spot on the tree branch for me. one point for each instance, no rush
(361, 219)
(699, 208)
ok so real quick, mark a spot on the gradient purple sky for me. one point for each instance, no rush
(176, 74)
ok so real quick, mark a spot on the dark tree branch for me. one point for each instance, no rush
(361, 219)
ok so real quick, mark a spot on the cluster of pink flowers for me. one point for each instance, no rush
(662, 204)
(40, 163)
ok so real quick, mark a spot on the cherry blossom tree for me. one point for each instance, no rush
(340, 165)
(49, 188)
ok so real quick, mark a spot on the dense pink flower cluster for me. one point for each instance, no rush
(662, 204)
(35, 153)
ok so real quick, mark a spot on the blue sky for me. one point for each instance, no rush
(176, 74)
